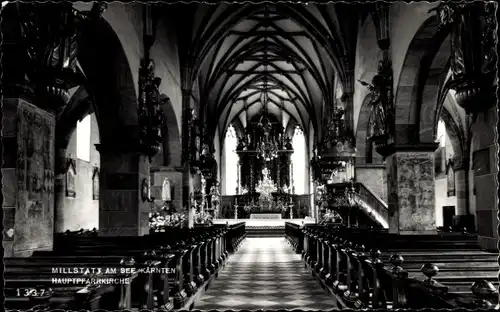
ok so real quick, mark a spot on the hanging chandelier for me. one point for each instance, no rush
(266, 186)
(267, 149)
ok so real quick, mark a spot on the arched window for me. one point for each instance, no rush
(83, 133)
(299, 161)
(231, 160)
(441, 133)
(440, 154)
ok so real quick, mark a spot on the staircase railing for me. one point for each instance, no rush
(374, 206)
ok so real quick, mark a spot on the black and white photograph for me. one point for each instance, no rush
(168, 156)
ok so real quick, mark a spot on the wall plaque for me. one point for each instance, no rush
(95, 184)
(70, 178)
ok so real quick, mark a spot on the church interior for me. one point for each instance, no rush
(249, 156)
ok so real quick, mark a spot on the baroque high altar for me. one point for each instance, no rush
(265, 167)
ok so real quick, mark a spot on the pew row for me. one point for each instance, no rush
(361, 277)
(166, 270)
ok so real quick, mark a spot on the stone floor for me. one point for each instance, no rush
(265, 273)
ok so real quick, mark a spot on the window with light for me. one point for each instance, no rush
(299, 161)
(441, 133)
(83, 132)
(231, 161)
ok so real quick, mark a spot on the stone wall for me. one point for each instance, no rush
(442, 199)
(374, 177)
(406, 19)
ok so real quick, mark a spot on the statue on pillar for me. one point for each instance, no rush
(215, 198)
(380, 103)
(473, 61)
(49, 37)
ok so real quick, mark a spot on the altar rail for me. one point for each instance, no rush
(363, 278)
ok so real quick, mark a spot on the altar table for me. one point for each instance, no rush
(265, 216)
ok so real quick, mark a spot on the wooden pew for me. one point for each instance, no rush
(84, 258)
(209, 254)
(25, 275)
(76, 249)
(359, 278)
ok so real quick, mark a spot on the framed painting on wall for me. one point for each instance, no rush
(70, 178)
(95, 184)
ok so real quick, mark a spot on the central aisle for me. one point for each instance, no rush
(265, 273)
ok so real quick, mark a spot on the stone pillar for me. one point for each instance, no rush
(461, 192)
(484, 164)
(187, 179)
(28, 177)
(9, 173)
(463, 218)
(124, 173)
(59, 188)
(411, 189)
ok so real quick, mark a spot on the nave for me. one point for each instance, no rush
(364, 134)
(265, 273)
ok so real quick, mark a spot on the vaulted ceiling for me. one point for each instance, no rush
(293, 51)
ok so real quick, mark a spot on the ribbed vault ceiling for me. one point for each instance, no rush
(295, 49)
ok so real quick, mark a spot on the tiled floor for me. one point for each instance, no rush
(265, 273)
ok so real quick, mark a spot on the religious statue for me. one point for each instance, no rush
(380, 102)
(215, 196)
(472, 27)
(208, 164)
(214, 192)
(151, 118)
(156, 113)
(241, 144)
(51, 47)
(165, 190)
(449, 16)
